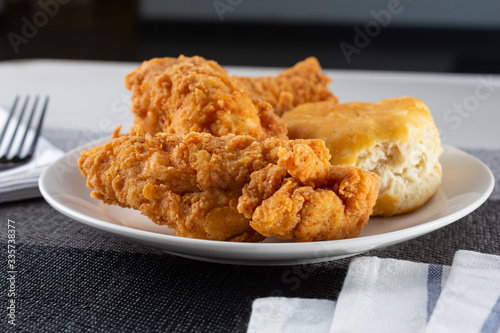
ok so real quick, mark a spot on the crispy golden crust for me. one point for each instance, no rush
(302, 83)
(231, 188)
(192, 94)
(334, 203)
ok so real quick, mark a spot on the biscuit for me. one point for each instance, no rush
(395, 138)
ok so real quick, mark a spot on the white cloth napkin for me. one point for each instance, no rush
(388, 295)
(470, 301)
(22, 182)
(280, 314)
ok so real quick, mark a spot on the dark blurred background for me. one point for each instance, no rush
(459, 36)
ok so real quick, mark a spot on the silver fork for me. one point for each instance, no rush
(9, 160)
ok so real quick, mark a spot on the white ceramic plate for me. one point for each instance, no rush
(467, 183)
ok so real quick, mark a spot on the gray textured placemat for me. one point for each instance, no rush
(73, 278)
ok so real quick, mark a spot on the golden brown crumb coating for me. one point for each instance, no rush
(192, 94)
(302, 83)
(231, 187)
(330, 202)
(185, 182)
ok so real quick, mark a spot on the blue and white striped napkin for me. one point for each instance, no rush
(392, 295)
(388, 295)
(470, 300)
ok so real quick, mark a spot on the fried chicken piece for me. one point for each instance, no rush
(192, 94)
(231, 187)
(299, 84)
(311, 201)
(185, 182)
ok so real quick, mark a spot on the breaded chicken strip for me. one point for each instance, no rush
(302, 83)
(311, 201)
(232, 187)
(192, 94)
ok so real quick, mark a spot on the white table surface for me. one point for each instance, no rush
(90, 95)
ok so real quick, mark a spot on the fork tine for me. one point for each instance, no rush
(12, 110)
(28, 126)
(38, 128)
(7, 162)
(11, 143)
